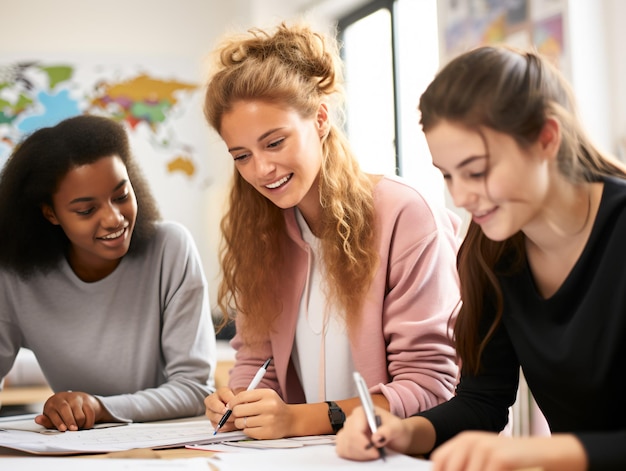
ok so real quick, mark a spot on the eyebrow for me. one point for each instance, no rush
(260, 138)
(83, 199)
(467, 161)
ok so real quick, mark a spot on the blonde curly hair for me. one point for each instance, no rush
(300, 68)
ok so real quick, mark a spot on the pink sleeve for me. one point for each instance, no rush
(248, 362)
(419, 308)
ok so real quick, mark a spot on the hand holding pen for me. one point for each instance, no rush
(253, 384)
(373, 420)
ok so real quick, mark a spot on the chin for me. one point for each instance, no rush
(497, 236)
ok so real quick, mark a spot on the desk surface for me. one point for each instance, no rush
(142, 453)
(17, 396)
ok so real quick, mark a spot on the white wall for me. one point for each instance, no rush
(614, 15)
(590, 74)
(188, 29)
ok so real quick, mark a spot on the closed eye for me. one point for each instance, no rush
(240, 157)
(121, 198)
(85, 212)
(478, 175)
(276, 143)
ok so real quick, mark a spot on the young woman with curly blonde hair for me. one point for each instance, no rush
(326, 269)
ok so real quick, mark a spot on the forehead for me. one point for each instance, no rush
(253, 117)
(105, 172)
(450, 143)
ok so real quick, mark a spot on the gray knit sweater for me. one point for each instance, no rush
(141, 339)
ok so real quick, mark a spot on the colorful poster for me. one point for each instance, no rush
(151, 103)
(520, 23)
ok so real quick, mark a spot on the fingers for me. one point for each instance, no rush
(267, 396)
(244, 422)
(69, 411)
(255, 403)
(473, 451)
(262, 414)
(216, 405)
(354, 440)
(243, 404)
(44, 421)
(218, 401)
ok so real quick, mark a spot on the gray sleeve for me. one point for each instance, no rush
(10, 338)
(188, 346)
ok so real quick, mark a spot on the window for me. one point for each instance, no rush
(391, 53)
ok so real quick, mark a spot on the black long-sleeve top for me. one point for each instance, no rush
(571, 347)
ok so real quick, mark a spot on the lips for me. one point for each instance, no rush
(279, 183)
(114, 235)
(482, 215)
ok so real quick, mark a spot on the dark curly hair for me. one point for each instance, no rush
(28, 242)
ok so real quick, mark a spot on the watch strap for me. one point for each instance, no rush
(336, 416)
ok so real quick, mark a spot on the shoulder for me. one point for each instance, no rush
(393, 192)
(614, 190)
(610, 221)
(174, 250)
(172, 230)
(612, 204)
(171, 240)
(395, 197)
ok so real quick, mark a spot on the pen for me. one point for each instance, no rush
(253, 384)
(368, 406)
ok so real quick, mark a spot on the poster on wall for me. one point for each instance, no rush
(538, 24)
(159, 104)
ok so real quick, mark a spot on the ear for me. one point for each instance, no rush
(322, 120)
(48, 213)
(549, 139)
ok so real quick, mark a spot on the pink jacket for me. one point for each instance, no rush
(403, 346)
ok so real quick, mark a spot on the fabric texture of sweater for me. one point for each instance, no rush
(141, 339)
(402, 346)
(569, 346)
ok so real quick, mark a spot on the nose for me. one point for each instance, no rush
(263, 165)
(462, 195)
(112, 217)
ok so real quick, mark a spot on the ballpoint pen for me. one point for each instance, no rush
(368, 406)
(253, 384)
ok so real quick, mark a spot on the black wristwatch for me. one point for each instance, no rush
(336, 416)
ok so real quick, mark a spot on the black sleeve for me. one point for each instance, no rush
(482, 401)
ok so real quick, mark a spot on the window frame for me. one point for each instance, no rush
(353, 17)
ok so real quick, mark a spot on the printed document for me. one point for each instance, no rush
(25, 435)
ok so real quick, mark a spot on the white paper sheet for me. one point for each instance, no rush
(312, 458)
(163, 434)
(281, 443)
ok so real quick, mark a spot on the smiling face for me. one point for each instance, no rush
(277, 151)
(96, 207)
(503, 186)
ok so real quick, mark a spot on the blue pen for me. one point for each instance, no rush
(253, 384)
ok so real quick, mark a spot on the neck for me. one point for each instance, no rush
(89, 272)
(567, 217)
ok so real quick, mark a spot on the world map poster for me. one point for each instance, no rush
(35, 94)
